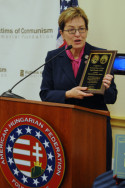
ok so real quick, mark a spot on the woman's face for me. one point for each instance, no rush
(77, 40)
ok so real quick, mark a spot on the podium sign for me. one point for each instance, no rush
(32, 154)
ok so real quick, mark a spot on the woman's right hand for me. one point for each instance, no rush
(78, 93)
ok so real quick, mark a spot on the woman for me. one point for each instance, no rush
(61, 76)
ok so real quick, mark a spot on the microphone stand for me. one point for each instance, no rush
(12, 95)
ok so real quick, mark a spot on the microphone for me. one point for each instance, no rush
(12, 95)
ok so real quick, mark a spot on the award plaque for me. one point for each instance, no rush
(99, 64)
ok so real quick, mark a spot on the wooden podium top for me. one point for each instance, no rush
(101, 112)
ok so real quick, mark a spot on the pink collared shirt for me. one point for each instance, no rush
(75, 62)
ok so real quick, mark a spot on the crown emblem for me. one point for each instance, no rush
(37, 164)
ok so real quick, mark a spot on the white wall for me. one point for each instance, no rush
(107, 30)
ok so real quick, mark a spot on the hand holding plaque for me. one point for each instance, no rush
(99, 64)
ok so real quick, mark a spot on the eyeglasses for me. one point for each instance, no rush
(73, 31)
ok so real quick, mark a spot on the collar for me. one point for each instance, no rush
(69, 54)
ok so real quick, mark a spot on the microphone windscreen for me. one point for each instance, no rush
(69, 47)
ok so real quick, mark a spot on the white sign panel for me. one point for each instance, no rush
(28, 30)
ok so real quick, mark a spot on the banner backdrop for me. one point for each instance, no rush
(28, 30)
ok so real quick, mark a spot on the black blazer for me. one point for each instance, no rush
(58, 77)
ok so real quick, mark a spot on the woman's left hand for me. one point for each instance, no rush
(107, 80)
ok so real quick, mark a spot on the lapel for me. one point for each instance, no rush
(66, 65)
(83, 60)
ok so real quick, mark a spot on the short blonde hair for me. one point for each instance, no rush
(69, 14)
